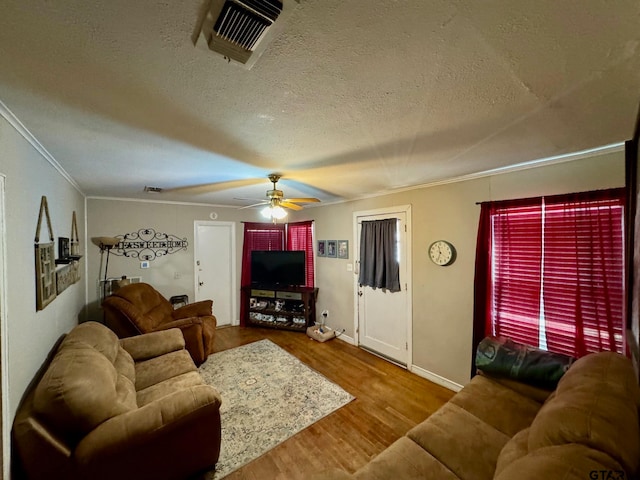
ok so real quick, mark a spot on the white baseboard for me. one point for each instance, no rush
(346, 338)
(435, 378)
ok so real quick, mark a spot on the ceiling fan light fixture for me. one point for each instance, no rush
(274, 213)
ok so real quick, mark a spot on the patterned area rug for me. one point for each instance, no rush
(268, 395)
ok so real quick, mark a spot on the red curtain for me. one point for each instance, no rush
(584, 272)
(507, 271)
(482, 282)
(550, 272)
(300, 237)
(257, 236)
(517, 270)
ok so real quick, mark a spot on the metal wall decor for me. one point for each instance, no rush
(45, 262)
(147, 244)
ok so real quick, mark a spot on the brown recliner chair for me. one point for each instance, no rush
(139, 308)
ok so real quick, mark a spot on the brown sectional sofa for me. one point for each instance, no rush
(501, 429)
(105, 408)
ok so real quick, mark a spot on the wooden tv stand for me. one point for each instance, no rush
(288, 308)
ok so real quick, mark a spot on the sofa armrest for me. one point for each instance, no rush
(154, 344)
(197, 309)
(172, 437)
(180, 323)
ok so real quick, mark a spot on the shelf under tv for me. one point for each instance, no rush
(286, 308)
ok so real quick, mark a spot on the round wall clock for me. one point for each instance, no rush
(442, 253)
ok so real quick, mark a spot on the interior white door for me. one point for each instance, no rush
(215, 268)
(384, 317)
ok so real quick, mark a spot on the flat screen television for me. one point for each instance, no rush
(277, 268)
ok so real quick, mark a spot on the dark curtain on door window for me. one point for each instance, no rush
(379, 266)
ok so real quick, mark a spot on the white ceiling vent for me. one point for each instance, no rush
(237, 28)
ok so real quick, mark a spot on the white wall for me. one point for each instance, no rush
(443, 296)
(31, 334)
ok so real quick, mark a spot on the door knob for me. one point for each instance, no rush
(200, 283)
(360, 293)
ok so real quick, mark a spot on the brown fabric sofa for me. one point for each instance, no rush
(139, 308)
(129, 409)
(502, 429)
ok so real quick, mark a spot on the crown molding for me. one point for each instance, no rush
(542, 162)
(166, 202)
(15, 122)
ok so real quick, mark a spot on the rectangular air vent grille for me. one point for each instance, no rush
(243, 23)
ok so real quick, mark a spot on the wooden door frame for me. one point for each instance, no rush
(409, 280)
(235, 317)
(4, 351)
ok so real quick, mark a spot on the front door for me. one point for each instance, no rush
(383, 317)
(215, 268)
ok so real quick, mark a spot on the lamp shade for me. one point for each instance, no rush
(105, 242)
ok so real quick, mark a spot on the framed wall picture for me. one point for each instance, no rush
(332, 248)
(45, 265)
(343, 248)
(322, 248)
(45, 275)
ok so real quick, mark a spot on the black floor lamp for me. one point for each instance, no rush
(105, 244)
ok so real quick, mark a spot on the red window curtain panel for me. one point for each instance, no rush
(258, 236)
(517, 271)
(482, 282)
(508, 271)
(300, 237)
(584, 272)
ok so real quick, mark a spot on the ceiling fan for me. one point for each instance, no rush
(276, 203)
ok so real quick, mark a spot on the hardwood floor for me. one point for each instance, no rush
(389, 401)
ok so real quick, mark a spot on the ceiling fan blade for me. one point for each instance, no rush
(301, 200)
(254, 205)
(250, 199)
(213, 187)
(290, 205)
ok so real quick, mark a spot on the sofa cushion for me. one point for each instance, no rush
(538, 394)
(79, 391)
(594, 405)
(125, 365)
(97, 336)
(566, 462)
(158, 369)
(167, 387)
(146, 304)
(499, 406)
(126, 392)
(515, 449)
(404, 459)
(465, 444)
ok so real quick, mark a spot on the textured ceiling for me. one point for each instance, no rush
(351, 98)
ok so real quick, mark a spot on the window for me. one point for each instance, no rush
(550, 272)
(300, 237)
